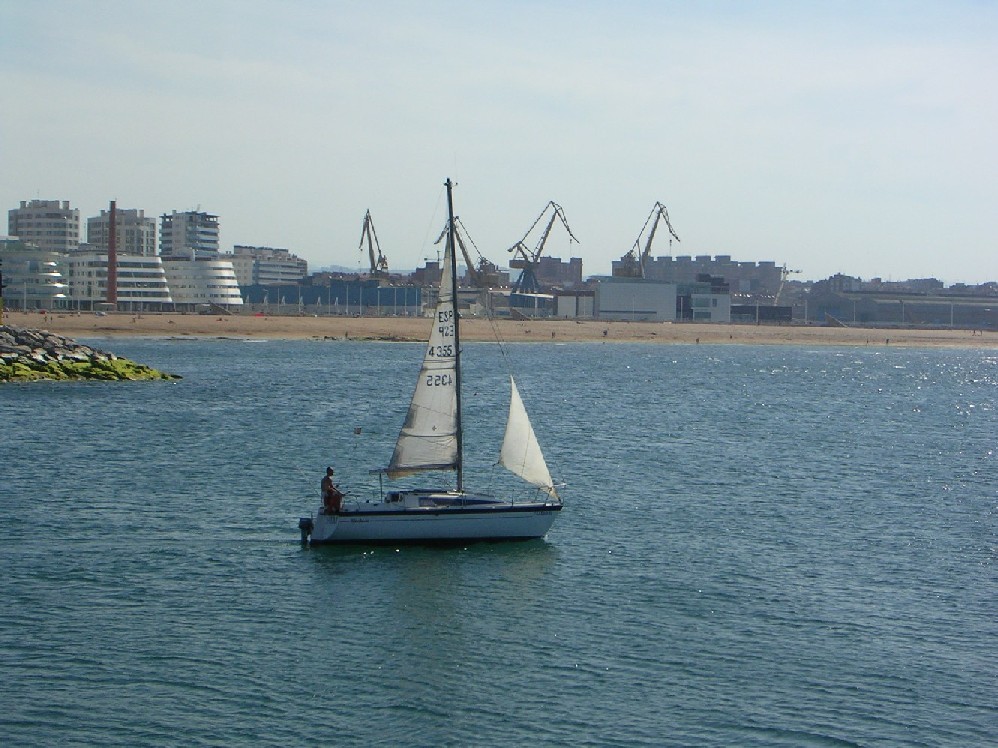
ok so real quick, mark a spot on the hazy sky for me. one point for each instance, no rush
(853, 137)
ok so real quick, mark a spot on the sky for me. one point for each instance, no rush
(839, 137)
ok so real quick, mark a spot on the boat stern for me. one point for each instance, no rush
(306, 525)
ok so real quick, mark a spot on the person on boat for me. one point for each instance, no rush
(332, 498)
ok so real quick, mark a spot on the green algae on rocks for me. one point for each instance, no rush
(28, 355)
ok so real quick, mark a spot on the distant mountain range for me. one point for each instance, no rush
(333, 269)
(362, 269)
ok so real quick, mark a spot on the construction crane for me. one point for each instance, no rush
(483, 274)
(379, 263)
(633, 264)
(784, 274)
(527, 262)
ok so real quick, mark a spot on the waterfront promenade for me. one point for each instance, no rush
(88, 324)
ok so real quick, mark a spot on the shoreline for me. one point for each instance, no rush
(415, 329)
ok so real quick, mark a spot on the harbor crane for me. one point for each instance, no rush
(484, 273)
(527, 261)
(633, 264)
(379, 263)
(784, 274)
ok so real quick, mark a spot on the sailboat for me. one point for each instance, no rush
(431, 439)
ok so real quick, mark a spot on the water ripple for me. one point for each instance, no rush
(759, 547)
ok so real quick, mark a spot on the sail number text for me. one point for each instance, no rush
(440, 350)
(439, 380)
(445, 323)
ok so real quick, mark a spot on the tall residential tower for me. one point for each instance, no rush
(190, 235)
(188, 245)
(135, 234)
(50, 225)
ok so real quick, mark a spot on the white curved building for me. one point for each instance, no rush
(142, 281)
(196, 282)
(32, 276)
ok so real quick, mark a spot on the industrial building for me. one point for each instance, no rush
(575, 304)
(553, 272)
(339, 296)
(743, 278)
(704, 299)
(635, 299)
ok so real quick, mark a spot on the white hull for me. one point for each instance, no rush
(433, 517)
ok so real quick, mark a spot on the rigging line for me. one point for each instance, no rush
(433, 221)
(490, 486)
(503, 347)
(464, 229)
(493, 324)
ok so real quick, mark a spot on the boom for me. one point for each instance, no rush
(379, 263)
(527, 282)
(635, 265)
(482, 273)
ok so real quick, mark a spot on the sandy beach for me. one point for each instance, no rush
(88, 324)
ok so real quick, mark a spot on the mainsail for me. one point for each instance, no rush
(428, 440)
(520, 453)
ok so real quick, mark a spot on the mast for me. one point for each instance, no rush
(457, 337)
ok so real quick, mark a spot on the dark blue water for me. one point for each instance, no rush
(760, 546)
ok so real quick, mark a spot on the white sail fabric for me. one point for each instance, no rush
(520, 453)
(428, 440)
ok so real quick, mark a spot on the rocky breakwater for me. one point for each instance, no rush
(29, 355)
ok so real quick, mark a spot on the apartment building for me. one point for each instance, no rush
(50, 225)
(191, 235)
(266, 266)
(135, 234)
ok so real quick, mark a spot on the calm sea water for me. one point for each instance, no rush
(760, 546)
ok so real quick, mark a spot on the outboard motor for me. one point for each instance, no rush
(305, 524)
